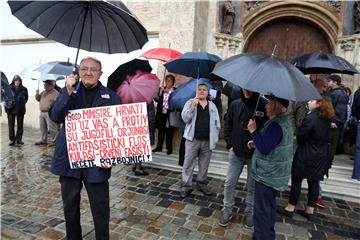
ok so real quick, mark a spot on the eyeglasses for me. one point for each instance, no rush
(92, 70)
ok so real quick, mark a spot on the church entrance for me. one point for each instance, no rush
(292, 37)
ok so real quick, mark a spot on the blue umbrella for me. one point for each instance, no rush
(186, 91)
(193, 64)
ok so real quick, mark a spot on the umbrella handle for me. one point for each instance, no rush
(256, 106)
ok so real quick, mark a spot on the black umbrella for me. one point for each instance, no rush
(96, 26)
(128, 68)
(319, 62)
(55, 67)
(193, 64)
(6, 92)
(267, 75)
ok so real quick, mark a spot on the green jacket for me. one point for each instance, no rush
(274, 169)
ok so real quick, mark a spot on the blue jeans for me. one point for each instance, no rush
(356, 170)
(236, 165)
(264, 212)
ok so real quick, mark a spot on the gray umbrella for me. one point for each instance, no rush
(267, 75)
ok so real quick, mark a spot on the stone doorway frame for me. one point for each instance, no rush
(318, 15)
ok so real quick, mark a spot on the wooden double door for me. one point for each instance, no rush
(291, 36)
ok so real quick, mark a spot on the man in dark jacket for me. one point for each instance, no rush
(89, 92)
(237, 136)
(339, 100)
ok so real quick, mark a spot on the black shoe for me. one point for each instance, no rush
(184, 194)
(285, 212)
(134, 168)
(157, 150)
(141, 173)
(168, 152)
(205, 191)
(20, 142)
(12, 143)
(308, 216)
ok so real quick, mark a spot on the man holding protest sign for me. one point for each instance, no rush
(89, 92)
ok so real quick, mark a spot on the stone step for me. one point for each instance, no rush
(338, 185)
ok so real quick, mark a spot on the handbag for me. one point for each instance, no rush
(175, 118)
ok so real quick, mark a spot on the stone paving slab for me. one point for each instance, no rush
(143, 208)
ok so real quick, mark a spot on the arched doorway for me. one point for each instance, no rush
(292, 37)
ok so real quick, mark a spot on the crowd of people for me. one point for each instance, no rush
(278, 140)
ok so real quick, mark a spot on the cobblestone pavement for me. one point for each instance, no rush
(142, 208)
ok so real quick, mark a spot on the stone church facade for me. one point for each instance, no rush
(295, 27)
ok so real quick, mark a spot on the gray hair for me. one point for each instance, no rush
(93, 59)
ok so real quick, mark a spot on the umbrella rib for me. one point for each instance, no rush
(105, 25)
(60, 18)
(133, 17)
(126, 23)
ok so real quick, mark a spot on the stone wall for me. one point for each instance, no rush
(348, 47)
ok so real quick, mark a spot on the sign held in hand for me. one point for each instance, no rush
(113, 134)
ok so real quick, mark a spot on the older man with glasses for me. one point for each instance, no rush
(86, 93)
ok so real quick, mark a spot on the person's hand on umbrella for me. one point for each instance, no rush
(194, 103)
(252, 125)
(333, 125)
(70, 83)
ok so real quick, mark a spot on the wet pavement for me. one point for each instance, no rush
(142, 207)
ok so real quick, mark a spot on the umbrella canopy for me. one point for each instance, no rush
(319, 62)
(193, 64)
(58, 68)
(186, 91)
(32, 72)
(267, 75)
(141, 87)
(6, 92)
(162, 54)
(95, 26)
(127, 69)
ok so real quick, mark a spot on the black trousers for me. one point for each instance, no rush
(20, 126)
(164, 131)
(313, 190)
(98, 194)
(264, 212)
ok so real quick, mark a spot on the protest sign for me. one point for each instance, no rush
(113, 134)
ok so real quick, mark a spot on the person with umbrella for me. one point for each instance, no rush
(16, 110)
(237, 136)
(88, 93)
(46, 99)
(271, 164)
(162, 115)
(201, 134)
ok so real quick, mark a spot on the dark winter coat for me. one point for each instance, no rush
(60, 162)
(355, 108)
(237, 118)
(339, 100)
(312, 157)
(20, 97)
